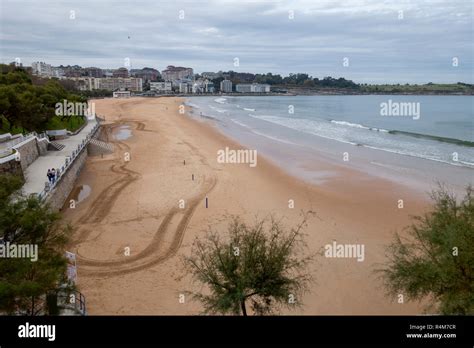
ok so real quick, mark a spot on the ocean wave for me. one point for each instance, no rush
(217, 109)
(357, 125)
(417, 155)
(274, 138)
(302, 125)
(410, 134)
(239, 123)
(248, 109)
(221, 100)
(341, 135)
(262, 134)
(435, 138)
(193, 105)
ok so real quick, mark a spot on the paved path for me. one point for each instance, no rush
(35, 174)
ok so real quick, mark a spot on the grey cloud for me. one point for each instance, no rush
(381, 48)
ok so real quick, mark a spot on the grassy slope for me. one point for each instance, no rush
(71, 123)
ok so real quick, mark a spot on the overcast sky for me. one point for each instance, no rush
(266, 36)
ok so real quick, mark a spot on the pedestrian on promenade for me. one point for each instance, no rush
(53, 175)
(49, 175)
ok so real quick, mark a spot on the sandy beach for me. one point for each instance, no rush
(133, 206)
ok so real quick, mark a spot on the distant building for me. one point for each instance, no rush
(172, 73)
(161, 87)
(57, 72)
(93, 72)
(121, 72)
(108, 72)
(198, 87)
(185, 87)
(86, 83)
(129, 84)
(226, 86)
(252, 88)
(261, 88)
(121, 94)
(208, 86)
(146, 74)
(41, 69)
(73, 71)
(203, 86)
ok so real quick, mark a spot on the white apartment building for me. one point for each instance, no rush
(226, 86)
(184, 87)
(108, 83)
(161, 87)
(42, 69)
(121, 83)
(203, 86)
(252, 88)
(85, 83)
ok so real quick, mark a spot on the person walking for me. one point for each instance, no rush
(49, 175)
(53, 175)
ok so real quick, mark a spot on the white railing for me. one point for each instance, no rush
(8, 156)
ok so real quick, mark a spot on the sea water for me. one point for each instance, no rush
(438, 138)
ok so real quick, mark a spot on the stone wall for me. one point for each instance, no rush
(42, 146)
(29, 152)
(63, 188)
(12, 167)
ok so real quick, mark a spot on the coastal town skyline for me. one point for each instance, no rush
(366, 42)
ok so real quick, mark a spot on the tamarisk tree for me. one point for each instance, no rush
(254, 267)
(436, 259)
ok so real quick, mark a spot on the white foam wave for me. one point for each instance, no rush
(357, 125)
(274, 138)
(262, 134)
(417, 155)
(217, 109)
(193, 105)
(239, 123)
(221, 100)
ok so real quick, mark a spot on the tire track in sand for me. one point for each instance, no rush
(151, 255)
(102, 205)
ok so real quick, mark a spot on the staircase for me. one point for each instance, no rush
(54, 146)
(101, 145)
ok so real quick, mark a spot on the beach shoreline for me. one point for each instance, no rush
(133, 205)
(297, 139)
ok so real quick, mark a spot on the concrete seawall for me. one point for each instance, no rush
(57, 197)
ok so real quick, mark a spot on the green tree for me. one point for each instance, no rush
(29, 103)
(25, 220)
(258, 265)
(436, 260)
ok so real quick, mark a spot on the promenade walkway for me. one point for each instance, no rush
(35, 175)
